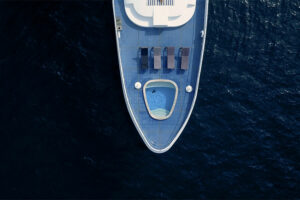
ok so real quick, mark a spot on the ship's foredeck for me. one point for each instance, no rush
(159, 134)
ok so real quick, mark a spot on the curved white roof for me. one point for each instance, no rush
(160, 13)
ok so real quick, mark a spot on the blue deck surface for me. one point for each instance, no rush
(160, 134)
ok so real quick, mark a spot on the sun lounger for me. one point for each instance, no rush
(144, 58)
(157, 57)
(185, 52)
(171, 57)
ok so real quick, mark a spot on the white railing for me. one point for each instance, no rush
(160, 2)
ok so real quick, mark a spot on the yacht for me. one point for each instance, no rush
(160, 49)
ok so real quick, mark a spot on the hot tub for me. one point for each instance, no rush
(160, 98)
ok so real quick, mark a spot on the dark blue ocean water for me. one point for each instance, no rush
(65, 131)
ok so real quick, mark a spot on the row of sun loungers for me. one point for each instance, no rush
(184, 57)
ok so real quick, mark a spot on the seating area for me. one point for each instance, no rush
(144, 58)
(168, 53)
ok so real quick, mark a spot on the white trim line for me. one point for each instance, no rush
(126, 96)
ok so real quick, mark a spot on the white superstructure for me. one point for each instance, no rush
(160, 13)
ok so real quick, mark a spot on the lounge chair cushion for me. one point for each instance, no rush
(157, 57)
(185, 52)
(170, 57)
(144, 58)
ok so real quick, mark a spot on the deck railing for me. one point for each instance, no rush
(160, 2)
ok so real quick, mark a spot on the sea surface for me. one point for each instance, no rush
(65, 131)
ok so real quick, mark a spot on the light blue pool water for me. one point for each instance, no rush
(160, 97)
